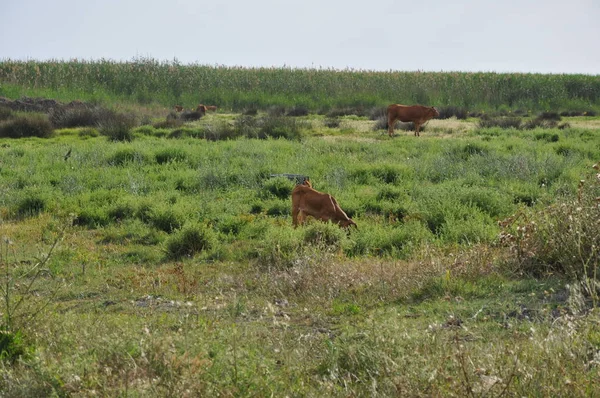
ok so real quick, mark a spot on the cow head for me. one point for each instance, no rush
(201, 108)
(434, 112)
(347, 223)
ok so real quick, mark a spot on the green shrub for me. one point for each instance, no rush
(220, 131)
(548, 137)
(280, 127)
(502, 122)
(126, 156)
(231, 225)
(13, 346)
(88, 132)
(80, 117)
(332, 122)
(189, 241)
(399, 241)
(92, 217)
(297, 110)
(32, 205)
(33, 125)
(169, 155)
(562, 238)
(277, 248)
(539, 123)
(118, 127)
(446, 112)
(122, 211)
(5, 113)
(279, 187)
(389, 193)
(277, 209)
(166, 220)
(324, 234)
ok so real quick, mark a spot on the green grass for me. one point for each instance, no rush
(177, 271)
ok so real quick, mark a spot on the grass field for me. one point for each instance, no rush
(161, 261)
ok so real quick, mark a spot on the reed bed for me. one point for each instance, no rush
(147, 80)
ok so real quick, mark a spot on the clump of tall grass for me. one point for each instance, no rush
(297, 110)
(32, 125)
(169, 155)
(64, 117)
(563, 238)
(332, 122)
(325, 235)
(32, 204)
(127, 155)
(446, 112)
(118, 127)
(347, 111)
(278, 187)
(5, 113)
(192, 239)
(503, 122)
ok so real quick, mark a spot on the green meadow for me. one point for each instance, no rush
(144, 255)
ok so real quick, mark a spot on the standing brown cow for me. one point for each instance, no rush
(417, 114)
(307, 201)
(211, 108)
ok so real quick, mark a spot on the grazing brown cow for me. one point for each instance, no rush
(178, 108)
(417, 114)
(211, 108)
(201, 108)
(307, 201)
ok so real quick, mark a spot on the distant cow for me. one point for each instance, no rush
(178, 108)
(201, 109)
(211, 108)
(307, 201)
(417, 114)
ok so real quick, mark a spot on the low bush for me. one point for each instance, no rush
(279, 187)
(32, 125)
(169, 155)
(32, 204)
(324, 235)
(5, 113)
(446, 112)
(563, 238)
(127, 155)
(539, 122)
(80, 117)
(297, 110)
(118, 127)
(190, 240)
(332, 122)
(12, 346)
(502, 122)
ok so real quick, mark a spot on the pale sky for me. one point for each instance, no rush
(429, 35)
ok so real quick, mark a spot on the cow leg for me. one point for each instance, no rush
(301, 217)
(391, 122)
(417, 126)
(295, 213)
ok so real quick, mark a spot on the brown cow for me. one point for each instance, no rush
(211, 108)
(201, 108)
(417, 114)
(178, 108)
(307, 201)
